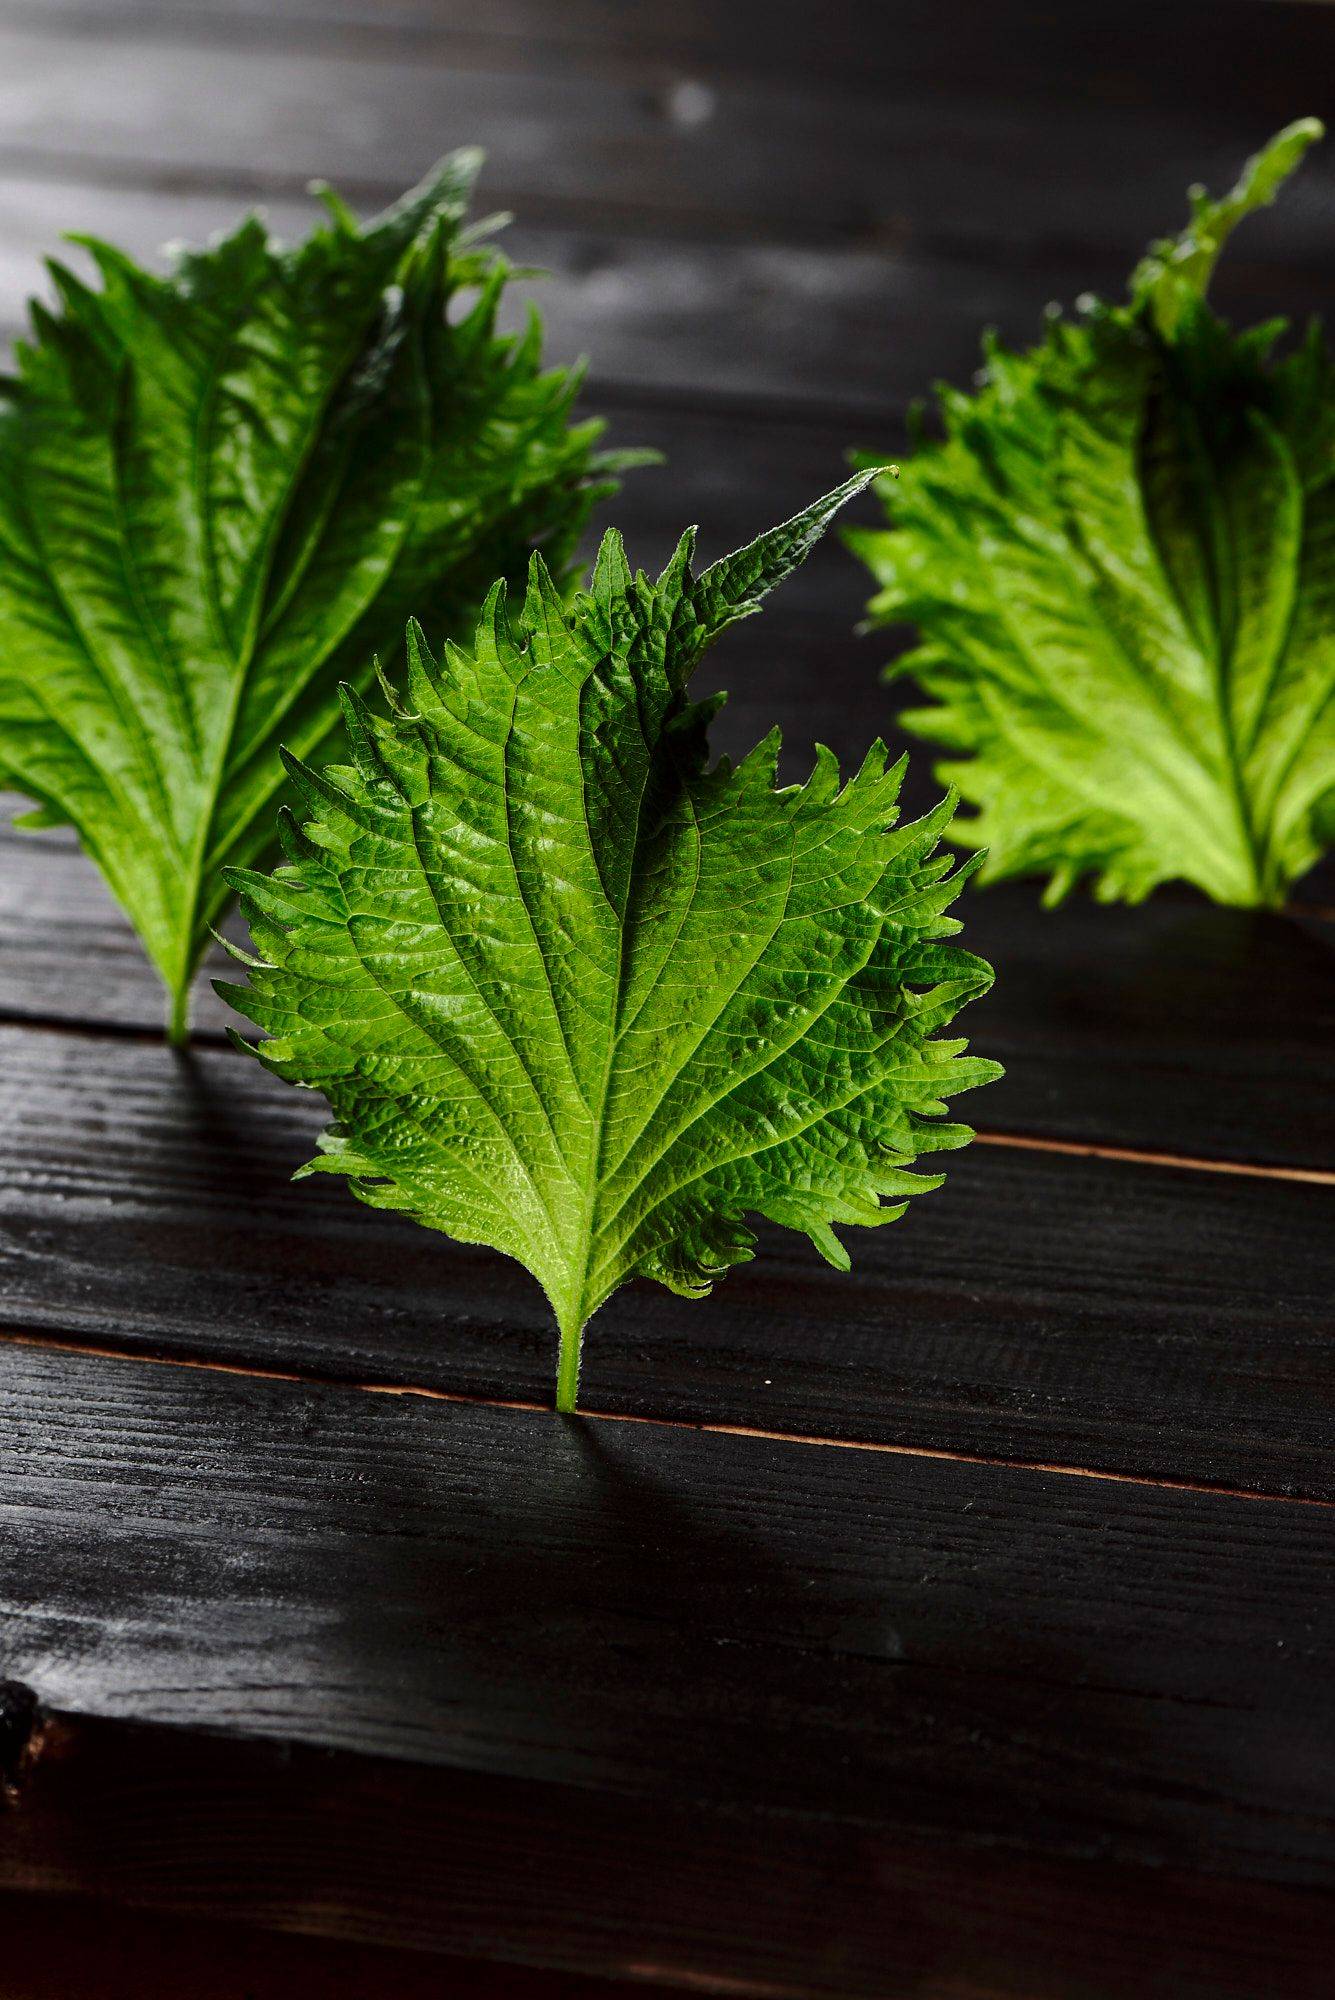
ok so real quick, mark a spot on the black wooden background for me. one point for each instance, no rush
(962, 1628)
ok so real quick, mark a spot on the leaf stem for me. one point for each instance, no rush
(567, 1367)
(178, 1015)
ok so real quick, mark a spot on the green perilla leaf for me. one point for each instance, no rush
(221, 491)
(574, 992)
(1121, 561)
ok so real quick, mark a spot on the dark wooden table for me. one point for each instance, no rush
(960, 1629)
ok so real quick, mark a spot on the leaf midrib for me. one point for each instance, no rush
(1225, 637)
(1031, 744)
(243, 659)
(265, 627)
(579, 1307)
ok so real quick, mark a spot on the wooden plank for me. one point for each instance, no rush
(749, 1699)
(809, 1720)
(1176, 1028)
(1033, 46)
(1151, 1321)
(1018, 156)
(859, 333)
(58, 1947)
(562, 1876)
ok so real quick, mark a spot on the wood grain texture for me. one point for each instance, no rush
(680, 1631)
(944, 1645)
(1143, 1320)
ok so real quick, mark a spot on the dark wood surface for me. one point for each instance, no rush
(1178, 1029)
(69, 1948)
(878, 1655)
(958, 1629)
(1042, 1306)
(700, 1900)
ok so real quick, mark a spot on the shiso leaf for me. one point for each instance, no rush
(578, 994)
(1120, 558)
(222, 490)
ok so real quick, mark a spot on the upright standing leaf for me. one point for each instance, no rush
(573, 992)
(1121, 559)
(221, 491)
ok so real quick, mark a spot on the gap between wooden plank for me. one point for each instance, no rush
(1082, 1149)
(98, 1351)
